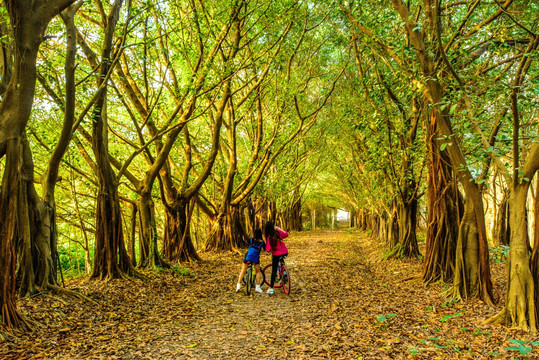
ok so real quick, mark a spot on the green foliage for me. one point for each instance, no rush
(449, 302)
(182, 270)
(382, 318)
(448, 317)
(522, 347)
(72, 261)
(499, 254)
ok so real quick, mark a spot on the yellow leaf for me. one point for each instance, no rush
(191, 346)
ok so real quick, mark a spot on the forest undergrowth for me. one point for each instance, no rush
(347, 302)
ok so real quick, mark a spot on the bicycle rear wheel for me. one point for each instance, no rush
(248, 279)
(285, 278)
(263, 276)
(267, 279)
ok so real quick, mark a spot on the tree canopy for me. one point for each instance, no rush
(135, 135)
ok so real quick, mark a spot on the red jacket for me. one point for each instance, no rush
(280, 248)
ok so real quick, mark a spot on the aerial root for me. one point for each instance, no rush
(498, 319)
(75, 294)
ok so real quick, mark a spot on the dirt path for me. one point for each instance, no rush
(346, 303)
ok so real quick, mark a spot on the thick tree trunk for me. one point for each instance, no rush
(149, 232)
(444, 212)
(407, 229)
(521, 306)
(25, 218)
(295, 217)
(227, 231)
(110, 257)
(177, 243)
(28, 23)
(8, 233)
(473, 226)
(37, 232)
(466, 281)
(291, 217)
(38, 252)
(362, 220)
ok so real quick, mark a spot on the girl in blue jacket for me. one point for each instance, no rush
(256, 243)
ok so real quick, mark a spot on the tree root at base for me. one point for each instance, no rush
(71, 293)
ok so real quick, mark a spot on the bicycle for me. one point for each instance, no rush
(282, 278)
(250, 277)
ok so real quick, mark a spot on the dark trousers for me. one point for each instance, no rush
(274, 265)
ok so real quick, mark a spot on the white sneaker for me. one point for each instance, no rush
(258, 289)
(238, 287)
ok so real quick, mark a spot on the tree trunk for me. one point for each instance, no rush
(8, 233)
(28, 23)
(520, 310)
(296, 223)
(374, 225)
(132, 235)
(38, 253)
(250, 216)
(227, 231)
(392, 229)
(535, 252)
(503, 227)
(144, 242)
(149, 232)
(536, 212)
(445, 209)
(177, 243)
(382, 229)
(466, 282)
(25, 217)
(38, 248)
(407, 229)
(110, 257)
(473, 226)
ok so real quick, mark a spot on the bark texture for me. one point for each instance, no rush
(177, 242)
(28, 22)
(444, 211)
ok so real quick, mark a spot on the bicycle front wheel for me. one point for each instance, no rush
(267, 278)
(285, 278)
